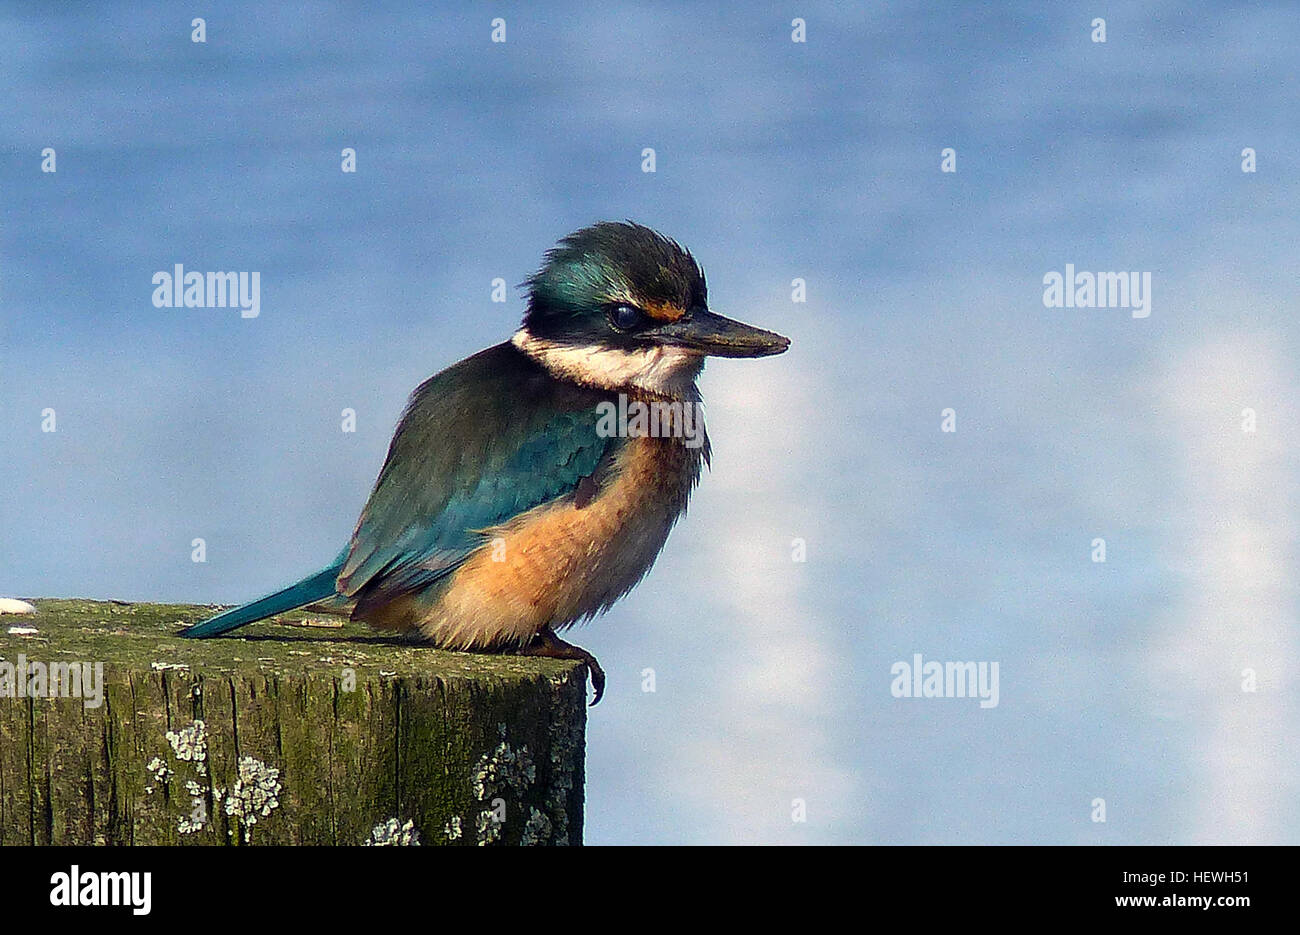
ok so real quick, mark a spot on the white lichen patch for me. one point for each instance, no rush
(165, 666)
(488, 828)
(23, 631)
(190, 744)
(255, 794)
(197, 819)
(159, 771)
(393, 834)
(537, 830)
(317, 622)
(504, 769)
(453, 828)
(566, 751)
(504, 774)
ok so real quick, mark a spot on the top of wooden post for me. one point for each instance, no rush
(313, 730)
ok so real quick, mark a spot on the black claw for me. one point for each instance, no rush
(597, 680)
(546, 643)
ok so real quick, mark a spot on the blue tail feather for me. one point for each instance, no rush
(318, 587)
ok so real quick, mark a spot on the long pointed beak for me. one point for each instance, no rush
(711, 334)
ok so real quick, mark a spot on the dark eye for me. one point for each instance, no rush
(625, 317)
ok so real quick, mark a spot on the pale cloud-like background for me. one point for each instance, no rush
(775, 160)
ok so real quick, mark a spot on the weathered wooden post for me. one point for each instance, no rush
(308, 730)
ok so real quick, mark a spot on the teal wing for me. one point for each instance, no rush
(479, 444)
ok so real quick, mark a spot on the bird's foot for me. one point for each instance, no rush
(547, 644)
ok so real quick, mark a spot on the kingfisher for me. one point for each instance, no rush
(513, 502)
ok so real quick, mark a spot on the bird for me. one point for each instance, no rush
(531, 486)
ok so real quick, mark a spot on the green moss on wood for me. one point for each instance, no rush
(372, 738)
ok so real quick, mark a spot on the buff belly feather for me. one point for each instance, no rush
(557, 564)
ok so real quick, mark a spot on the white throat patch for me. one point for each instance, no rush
(668, 371)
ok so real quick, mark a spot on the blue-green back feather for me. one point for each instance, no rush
(480, 443)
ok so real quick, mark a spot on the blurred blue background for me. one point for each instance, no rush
(775, 160)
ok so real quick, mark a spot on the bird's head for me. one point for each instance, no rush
(618, 305)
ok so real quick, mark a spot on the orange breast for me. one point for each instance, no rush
(557, 564)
